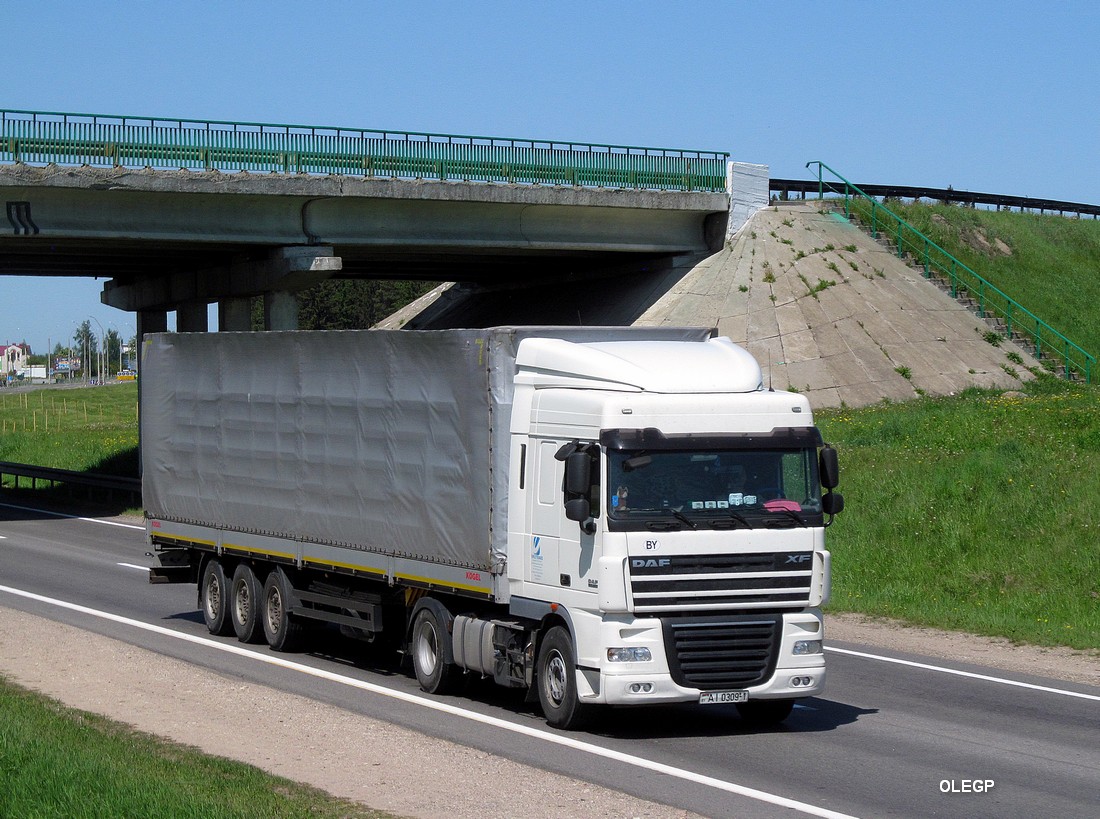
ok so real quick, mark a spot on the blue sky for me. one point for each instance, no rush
(988, 96)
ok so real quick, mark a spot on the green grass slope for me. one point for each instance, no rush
(1048, 264)
(978, 512)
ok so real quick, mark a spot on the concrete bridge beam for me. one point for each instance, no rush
(286, 269)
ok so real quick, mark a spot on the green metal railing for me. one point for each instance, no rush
(963, 281)
(37, 137)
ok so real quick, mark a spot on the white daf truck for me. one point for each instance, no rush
(601, 516)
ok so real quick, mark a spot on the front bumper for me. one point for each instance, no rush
(639, 683)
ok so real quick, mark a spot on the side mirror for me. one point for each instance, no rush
(832, 503)
(828, 467)
(578, 473)
(578, 509)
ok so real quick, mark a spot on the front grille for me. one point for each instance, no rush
(766, 580)
(722, 652)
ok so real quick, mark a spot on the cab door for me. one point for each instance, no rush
(546, 514)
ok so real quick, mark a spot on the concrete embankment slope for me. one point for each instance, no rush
(830, 313)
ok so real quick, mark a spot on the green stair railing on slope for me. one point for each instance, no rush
(38, 137)
(1047, 343)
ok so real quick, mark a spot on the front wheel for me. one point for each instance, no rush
(557, 682)
(765, 713)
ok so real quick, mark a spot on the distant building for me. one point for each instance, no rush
(13, 358)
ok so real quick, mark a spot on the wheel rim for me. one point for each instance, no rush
(274, 611)
(427, 648)
(556, 680)
(242, 603)
(213, 597)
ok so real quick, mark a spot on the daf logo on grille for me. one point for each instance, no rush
(649, 563)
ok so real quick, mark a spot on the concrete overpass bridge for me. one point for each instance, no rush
(177, 215)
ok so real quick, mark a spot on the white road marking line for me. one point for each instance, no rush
(134, 566)
(74, 517)
(546, 736)
(958, 673)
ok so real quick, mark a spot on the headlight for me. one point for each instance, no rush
(629, 655)
(807, 647)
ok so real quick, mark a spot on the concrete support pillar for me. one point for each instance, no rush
(151, 321)
(191, 317)
(235, 315)
(280, 311)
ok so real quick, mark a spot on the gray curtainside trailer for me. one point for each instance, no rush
(463, 495)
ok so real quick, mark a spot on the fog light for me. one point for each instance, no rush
(634, 654)
(641, 688)
(807, 647)
(800, 682)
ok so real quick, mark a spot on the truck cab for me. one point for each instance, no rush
(666, 511)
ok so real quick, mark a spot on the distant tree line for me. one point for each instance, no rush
(348, 304)
(99, 357)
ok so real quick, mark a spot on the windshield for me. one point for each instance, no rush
(718, 486)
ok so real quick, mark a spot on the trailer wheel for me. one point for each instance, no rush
(433, 672)
(280, 629)
(214, 598)
(764, 713)
(244, 604)
(557, 682)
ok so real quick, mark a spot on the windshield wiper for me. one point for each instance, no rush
(736, 517)
(797, 518)
(676, 513)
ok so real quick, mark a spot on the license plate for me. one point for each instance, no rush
(711, 697)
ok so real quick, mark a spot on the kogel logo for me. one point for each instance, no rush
(649, 563)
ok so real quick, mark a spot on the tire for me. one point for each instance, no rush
(214, 598)
(433, 672)
(764, 713)
(557, 682)
(245, 593)
(281, 631)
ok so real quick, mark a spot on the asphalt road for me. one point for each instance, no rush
(918, 738)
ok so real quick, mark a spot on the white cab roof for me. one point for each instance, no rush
(714, 365)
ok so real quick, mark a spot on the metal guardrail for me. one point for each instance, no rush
(991, 301)
(110, 483)
(785, 187)
(40, 137)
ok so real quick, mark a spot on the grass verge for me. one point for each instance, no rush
(91, 429)
(60, 762)
(978, 512)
